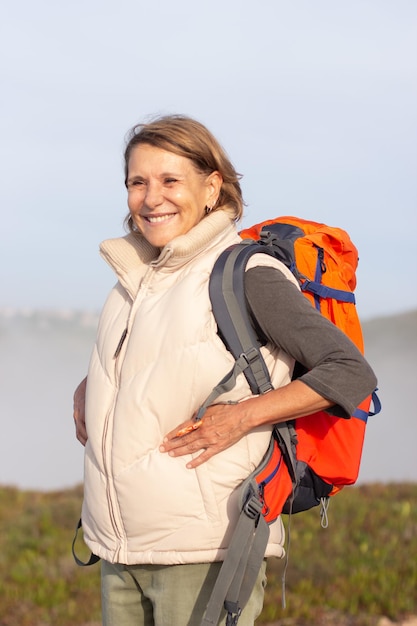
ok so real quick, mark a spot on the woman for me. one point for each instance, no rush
(159, 506)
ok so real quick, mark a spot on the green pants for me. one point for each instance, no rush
(172, 595)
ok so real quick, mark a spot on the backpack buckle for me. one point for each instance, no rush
(250, 355)
(267, 237)
(253, 506)
(233, 613)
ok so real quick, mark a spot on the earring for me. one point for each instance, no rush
(208, 210)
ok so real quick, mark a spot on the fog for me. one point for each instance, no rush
(43, 356)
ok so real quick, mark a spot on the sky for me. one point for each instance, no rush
(315, 103)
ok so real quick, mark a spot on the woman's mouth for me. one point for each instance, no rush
(156, 219)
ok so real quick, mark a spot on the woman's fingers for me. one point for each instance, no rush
(220, 428)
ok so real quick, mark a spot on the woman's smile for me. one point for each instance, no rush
(155, 219)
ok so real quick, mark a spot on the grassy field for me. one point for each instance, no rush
(362, 567)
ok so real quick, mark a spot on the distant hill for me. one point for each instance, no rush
(44, 354)
(391, 348)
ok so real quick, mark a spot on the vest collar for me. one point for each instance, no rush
(130, 256)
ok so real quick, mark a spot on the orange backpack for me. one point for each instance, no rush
(312, 457)
(325, 264)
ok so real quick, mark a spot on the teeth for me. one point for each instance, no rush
(159, 218)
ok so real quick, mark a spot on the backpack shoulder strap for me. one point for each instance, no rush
(227, 295)
(230, 309)
(241, 566)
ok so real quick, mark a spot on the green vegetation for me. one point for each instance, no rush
(360, 568)
(40, 583)
(363, 565)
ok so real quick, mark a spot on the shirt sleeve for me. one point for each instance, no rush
(332, 364)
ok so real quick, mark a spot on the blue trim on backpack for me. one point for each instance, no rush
(376, 402)
(268, 479)
(321, 291)
(363, 415)
(320, 269)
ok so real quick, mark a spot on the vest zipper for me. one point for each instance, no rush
(107, 462)
(120, 344)
(111, 497)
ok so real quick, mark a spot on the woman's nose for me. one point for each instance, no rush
(154, 196)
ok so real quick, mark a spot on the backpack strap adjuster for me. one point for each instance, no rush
(252, 507)
(252, 356)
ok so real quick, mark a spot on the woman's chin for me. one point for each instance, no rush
(159, 239)
(160, 235)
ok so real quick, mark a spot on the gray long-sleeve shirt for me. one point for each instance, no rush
(336, 368)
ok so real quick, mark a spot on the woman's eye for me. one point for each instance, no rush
(169, 181)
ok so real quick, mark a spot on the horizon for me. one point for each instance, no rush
(91, 316)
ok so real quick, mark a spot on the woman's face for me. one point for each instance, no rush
(166, 194)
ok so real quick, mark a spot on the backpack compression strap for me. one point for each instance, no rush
(281, 237)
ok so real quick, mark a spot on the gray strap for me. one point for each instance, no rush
(241, 535)
(241, 566)
(226, 384)
(242, 587)
(227, 295)
(287, 447)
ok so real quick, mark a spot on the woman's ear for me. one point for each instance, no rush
(214, 184)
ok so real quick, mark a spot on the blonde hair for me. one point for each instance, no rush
(186, 137)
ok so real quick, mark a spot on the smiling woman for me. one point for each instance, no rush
(161, 496)
(167, 195)
(187, 138)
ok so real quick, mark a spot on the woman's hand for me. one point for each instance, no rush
(224, 424)
(79, 412)
(221, 426)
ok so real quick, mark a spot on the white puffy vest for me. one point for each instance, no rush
(142, 506)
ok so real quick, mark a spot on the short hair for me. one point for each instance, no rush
(186, 137)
